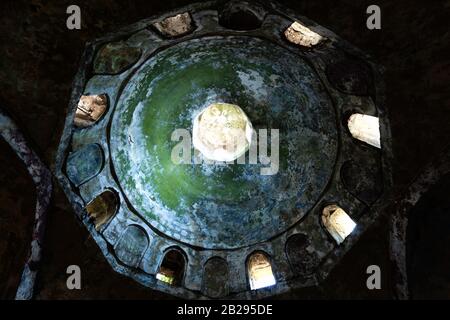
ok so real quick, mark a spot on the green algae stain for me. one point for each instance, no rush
(179, 185)
(232, 200)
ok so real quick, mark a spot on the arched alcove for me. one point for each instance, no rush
(216, 277)
(365, 128)
(301, 260)
(171, 270)
(259, 268)
(337, 222)
(90, 109)
(102, 208)
(132, 245)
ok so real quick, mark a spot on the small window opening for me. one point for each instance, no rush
(90, 109)
(300, 35)
(171, 270)
(175, 26)
(260, 271)
(337, 222)
(102, 208)
(365, 128)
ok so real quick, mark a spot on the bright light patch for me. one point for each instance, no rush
(263, 278)
(365, 128)
(302, 35)
(165, 278)
(260, 272)
(222, 132)
(90, 109)
(337, 222)
(175, 26)
(102, 208)
(172, 268)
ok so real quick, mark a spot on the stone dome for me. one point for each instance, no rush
(290, 186)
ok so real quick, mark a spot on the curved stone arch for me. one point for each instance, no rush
(172, 266)
(103, 207)
(84, 163)
(301, 261)
(132, 245)
(91, 109)
(337, 222)
(399, 219)
(215, 280)
(259, 270)
(42, 179)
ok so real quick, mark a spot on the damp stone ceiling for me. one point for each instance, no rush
(284, 211)
(217, 205)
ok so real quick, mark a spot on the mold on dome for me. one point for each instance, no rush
(209, 226)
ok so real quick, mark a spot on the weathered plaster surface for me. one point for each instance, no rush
(306, 93)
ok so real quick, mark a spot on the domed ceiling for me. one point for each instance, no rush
(292, 204)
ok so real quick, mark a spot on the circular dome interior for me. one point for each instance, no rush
(223, 205)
